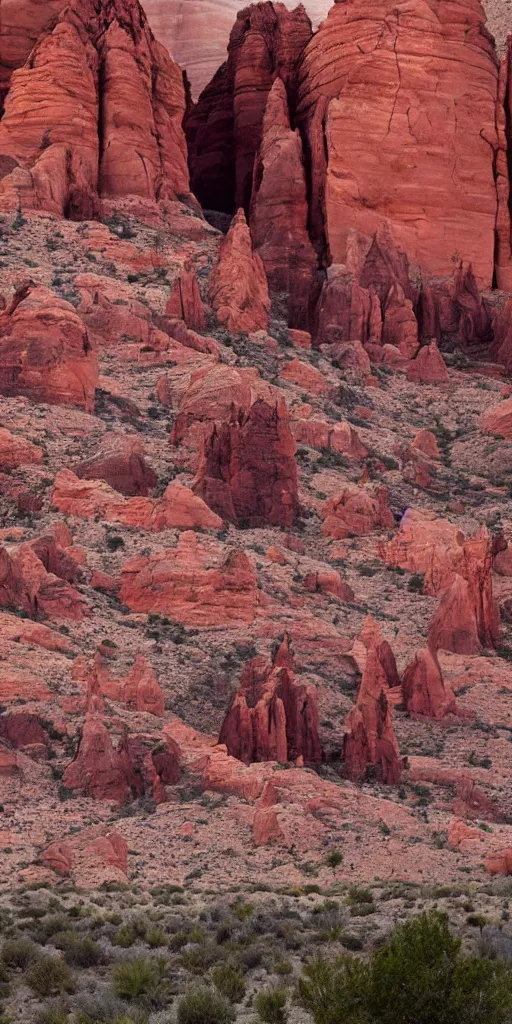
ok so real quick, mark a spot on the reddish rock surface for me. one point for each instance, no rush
(361, 76)
(429, 366)
(238, 286)
(247, 471)
(178, 507)
(97, 770)
(356, 510)
(498, 420)
(110, 126)
(454, 626)
(17, 451)
(369, 740)
(96, 856)
(25, 584)
(45, 351)
(272, 717)
(279, 213)
(424, 689)
(500, 863)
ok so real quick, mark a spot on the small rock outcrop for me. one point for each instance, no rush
(356, 510)
(247, 471)
(120, 463)
(272, 717)
(238, 287)
(424, 689)
(45, 351)
(184, 301)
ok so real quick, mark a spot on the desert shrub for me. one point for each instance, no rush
(156, 937)
(18, 953)
(243, 911)
(136, 978)
(270, 1005)
(78, 950)
(357, 894)
(99, 1007)
(201, 957)
(205, 1006)
(229, 982)
(50, 976)
(53, 1015)
(419, 975)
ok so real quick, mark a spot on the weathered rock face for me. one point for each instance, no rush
(17, 451)
(387, 100)
(454, 627)
(238, 285)
(139, 688)
(498, 420)
(192, 585)
(272, 716)
(369, 741)
(247, 471)
(423, 687)
(20, 28)
(356, 510)
(45, 351)
(109, 126)
(224, 129)
(279, 213)
(96, 855)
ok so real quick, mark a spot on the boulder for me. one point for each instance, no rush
(17, 451)
(97, 769)
(121, 463)
(238, 287)
(110, 121)
(45, 351)
(498, 420)
(424, 689)
(26, 584)
(426, 443)
(356, 511)
(20, 729)
(500, 863)
(272, 716)
(247, 471)
(429, 366)
(328, 581)
(454, 625)
(279, 213)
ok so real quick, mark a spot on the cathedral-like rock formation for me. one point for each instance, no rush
(247, 471)
(45, 350)
(95, 112)
(369, 740)
(225, 127)
(272, 717)
(279, 213)
(400, 107)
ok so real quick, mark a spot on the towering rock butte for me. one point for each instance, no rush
(272, 716)
(95, 112)
(400, 106)
(224, 129)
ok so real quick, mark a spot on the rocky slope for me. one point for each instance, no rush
(255, 487)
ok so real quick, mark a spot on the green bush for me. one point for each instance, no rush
(270, 1005)
(136, 978)
(78, 950)
(53, 1015)
(205, 1006)
(418, 977)
(50, 976)
(18, 953)
(229, 982)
